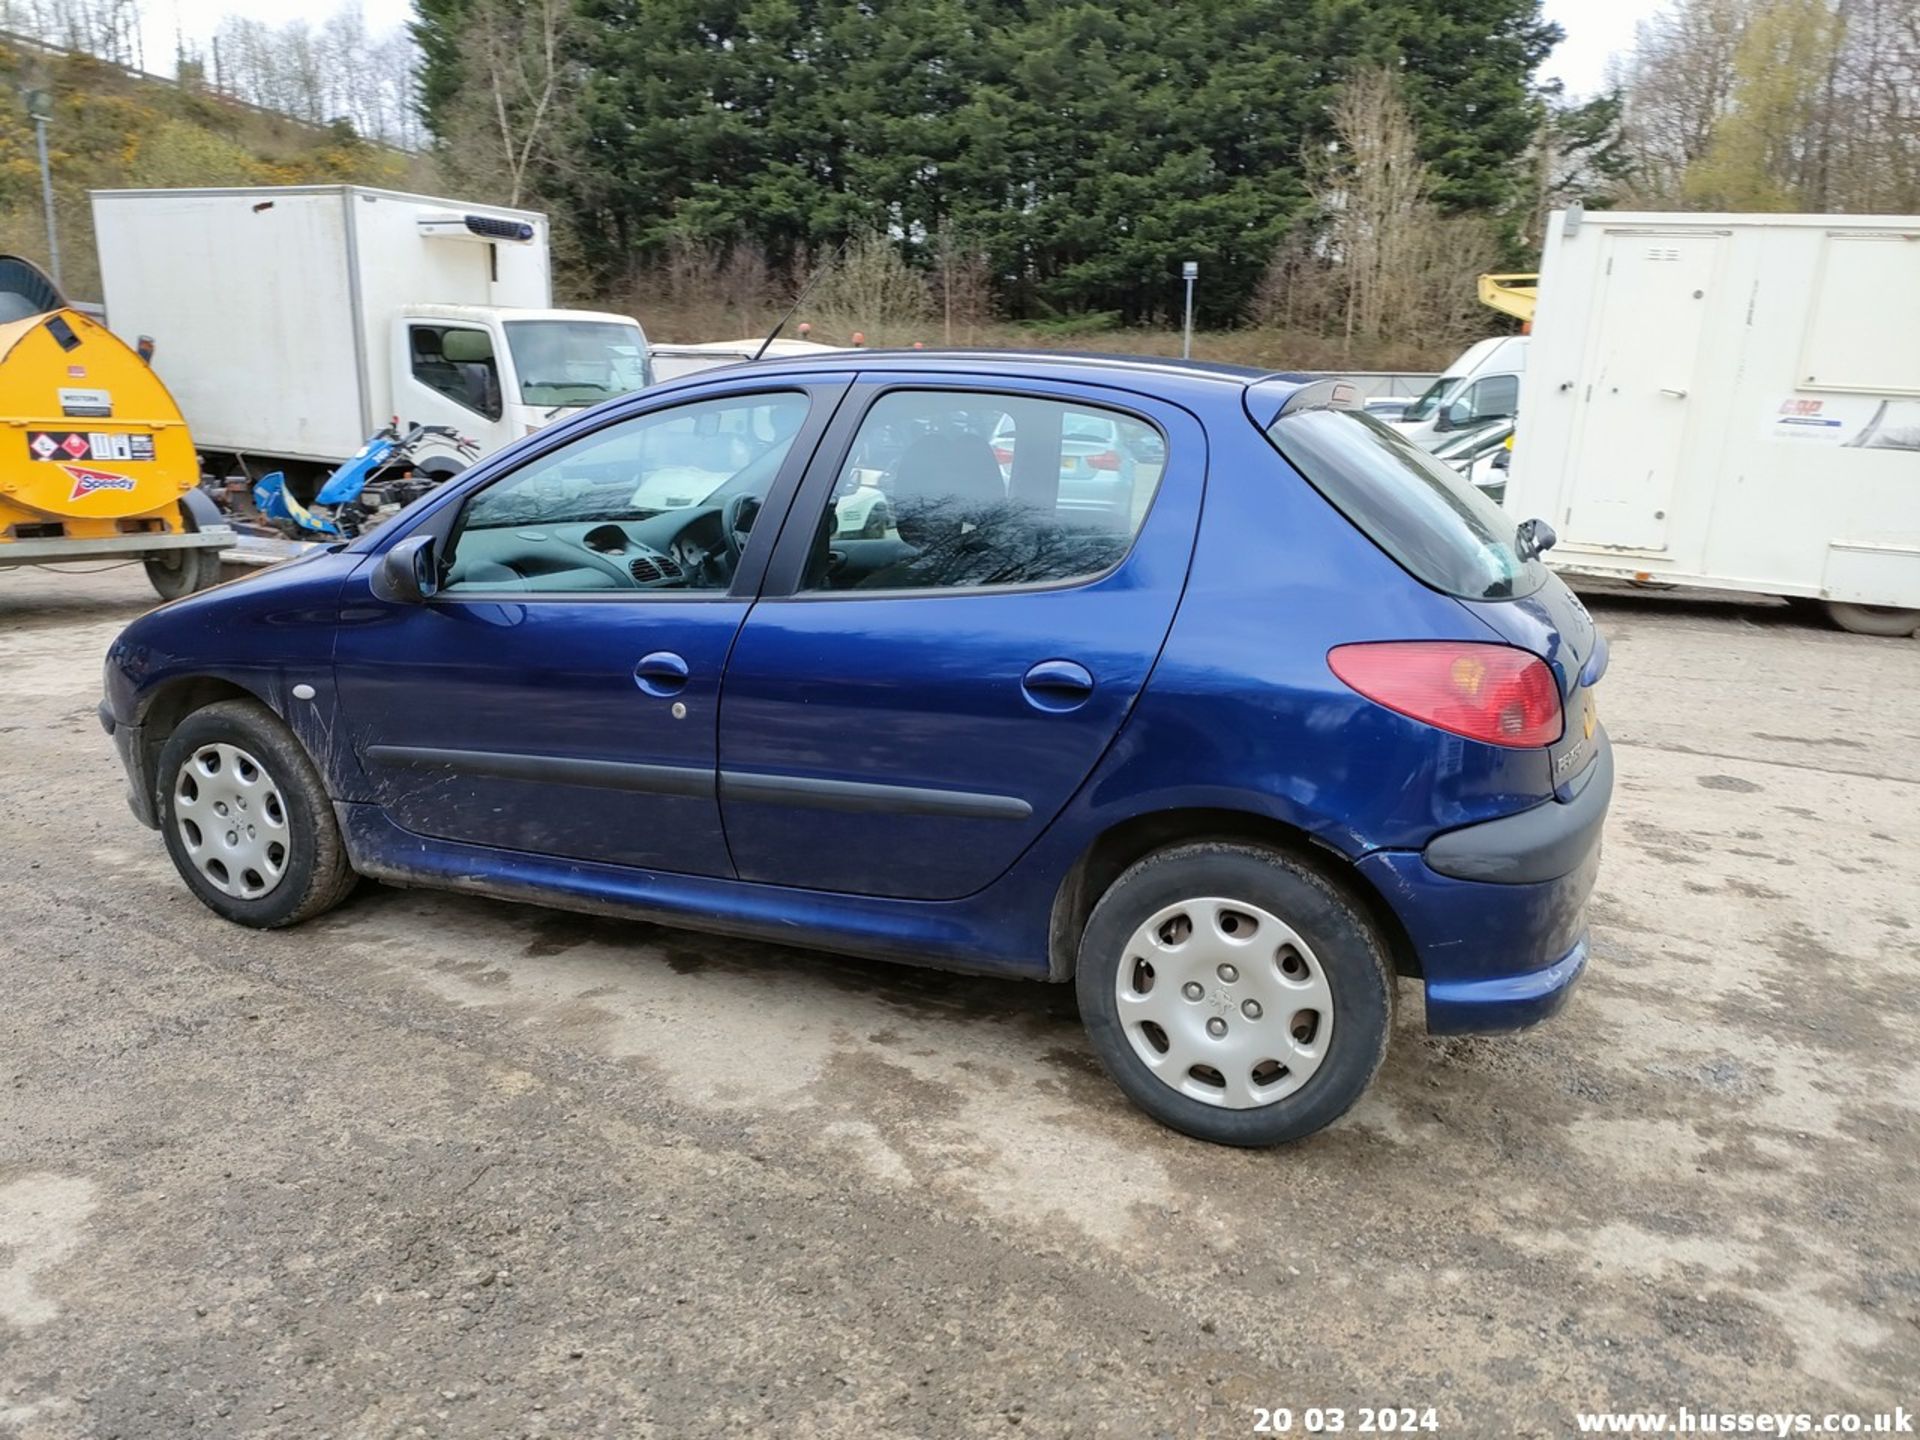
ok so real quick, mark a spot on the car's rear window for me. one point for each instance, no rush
(1440, 528)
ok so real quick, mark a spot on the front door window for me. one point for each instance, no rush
(664, 501)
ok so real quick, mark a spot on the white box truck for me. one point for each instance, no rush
(1731, 401)
(291, 322)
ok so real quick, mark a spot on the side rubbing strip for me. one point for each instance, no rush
(553, 769)
(859, 796)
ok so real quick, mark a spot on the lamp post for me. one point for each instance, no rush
(40, 111)
(1189, 272)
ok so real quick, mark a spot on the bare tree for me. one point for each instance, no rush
(872, 291)
(1677, 83)
(1765, 104)
(338, 72)
(508, 120)
(109, 29)
(963, 285)
(1372, 190)
(1377, 263)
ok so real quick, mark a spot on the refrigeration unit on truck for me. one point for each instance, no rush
(1731, 401)
(292, 322)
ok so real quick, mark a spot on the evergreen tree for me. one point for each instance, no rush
(1084, 147)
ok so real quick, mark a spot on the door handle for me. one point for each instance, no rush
(1676, 394)
(1057, 685)
(661, 673)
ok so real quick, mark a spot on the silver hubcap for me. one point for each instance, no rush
(1224, 1002)
(232, 821)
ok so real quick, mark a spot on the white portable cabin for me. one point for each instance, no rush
(272, 308)
(1730, 401)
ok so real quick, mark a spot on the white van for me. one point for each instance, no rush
(1482, 385)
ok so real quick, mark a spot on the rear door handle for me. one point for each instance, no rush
(661, 673)
(1057, 685)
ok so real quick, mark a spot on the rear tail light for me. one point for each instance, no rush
(1002, 455)
(1104, 460)
(1491, 693)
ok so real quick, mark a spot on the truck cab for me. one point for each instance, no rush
(1481, 387)
(496, 374)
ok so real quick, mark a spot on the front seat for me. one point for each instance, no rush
(944, 486)
(949, 503)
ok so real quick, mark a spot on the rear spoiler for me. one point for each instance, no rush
(1278, 395)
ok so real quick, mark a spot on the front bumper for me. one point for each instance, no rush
(130, 742)
(1497, 912)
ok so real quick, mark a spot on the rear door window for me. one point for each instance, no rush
(1440, 528)
(966, 490)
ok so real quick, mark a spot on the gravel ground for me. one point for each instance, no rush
(440, 1166)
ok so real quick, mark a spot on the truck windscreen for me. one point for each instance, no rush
(576, 362)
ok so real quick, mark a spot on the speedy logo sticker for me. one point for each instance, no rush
(86, 481)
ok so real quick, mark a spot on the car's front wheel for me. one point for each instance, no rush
(247, 820)
(1234, 993)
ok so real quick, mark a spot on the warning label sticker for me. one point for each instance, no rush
(89, 445)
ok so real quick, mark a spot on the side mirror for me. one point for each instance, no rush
(410, 572)
(1534, 537)
(1455, 415)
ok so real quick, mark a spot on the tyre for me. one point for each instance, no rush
(1233, 993)
(1887, 620)
(174, 573)
(246, 819)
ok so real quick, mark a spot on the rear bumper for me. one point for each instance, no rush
(1504, 1002)
(1501, 953)
(1543, 843)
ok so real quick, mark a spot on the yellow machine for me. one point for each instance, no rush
(95, 461)
(1514, 295)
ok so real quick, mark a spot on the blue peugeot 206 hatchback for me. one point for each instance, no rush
(1196, 687)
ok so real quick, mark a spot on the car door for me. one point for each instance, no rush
(558, 694)
(904, 714)
(447, 374)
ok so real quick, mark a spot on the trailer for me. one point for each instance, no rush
(292, 322)
(1733, 402)
(95, 462)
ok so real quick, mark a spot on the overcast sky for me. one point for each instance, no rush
(1595, 28)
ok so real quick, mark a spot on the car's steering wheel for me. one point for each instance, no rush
(736, 523)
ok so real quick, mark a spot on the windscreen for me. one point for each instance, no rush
(576, 362)
(1429, 401)
(1441, 529)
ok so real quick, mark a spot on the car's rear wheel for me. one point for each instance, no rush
(1887, 620)
(1234, 993)
(247, 820)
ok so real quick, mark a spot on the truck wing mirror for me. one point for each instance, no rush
(410, 572)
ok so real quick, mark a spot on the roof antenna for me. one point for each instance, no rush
(798, 300)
